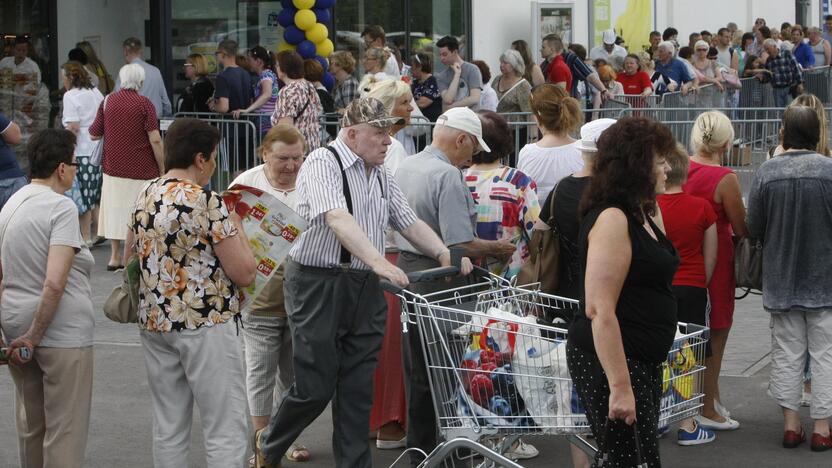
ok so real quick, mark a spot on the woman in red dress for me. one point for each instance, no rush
(712, 137)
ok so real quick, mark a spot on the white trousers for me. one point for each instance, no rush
(795, 334)
(204, 367)
(269, 370)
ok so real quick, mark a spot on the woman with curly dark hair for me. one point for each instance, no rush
(615, 350)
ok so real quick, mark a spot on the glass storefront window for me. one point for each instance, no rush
(352, 16)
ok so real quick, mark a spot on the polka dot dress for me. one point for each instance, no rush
(593, 388)
(86, 188)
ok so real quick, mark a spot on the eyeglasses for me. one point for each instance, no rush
(74, 164)
(701, 50)
(188, 65)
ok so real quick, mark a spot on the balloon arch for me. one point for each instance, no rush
(306, 31)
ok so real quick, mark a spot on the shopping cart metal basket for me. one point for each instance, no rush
(497, 372)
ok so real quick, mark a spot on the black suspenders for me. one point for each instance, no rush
(346, 258)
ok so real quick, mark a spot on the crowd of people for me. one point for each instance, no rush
(646, 230)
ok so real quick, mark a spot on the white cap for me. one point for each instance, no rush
(609, 36)
(464, 119)
(591, 132)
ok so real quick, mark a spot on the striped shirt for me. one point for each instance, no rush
(320, 189)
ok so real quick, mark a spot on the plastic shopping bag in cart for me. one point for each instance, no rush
(678, 383)
(544, 383)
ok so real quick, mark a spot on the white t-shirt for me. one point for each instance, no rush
(26, 67)
(599, 52)
(256, 177)
(488, 98)
(44, 220)
(395, 155)
(547, 166)
(81, 105)
(391, 67)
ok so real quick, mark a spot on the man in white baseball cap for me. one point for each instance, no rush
(434, 187)
(608, 50)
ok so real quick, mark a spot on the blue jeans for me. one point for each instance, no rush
(782, 96)
(9, 186)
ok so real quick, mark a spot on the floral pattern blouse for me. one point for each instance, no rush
(507, 208)
(183, 286)
(299, 101)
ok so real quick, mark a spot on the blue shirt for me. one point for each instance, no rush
(9, 168)
(234, 83)
(675, 70)
(804, 55)
(153, 88)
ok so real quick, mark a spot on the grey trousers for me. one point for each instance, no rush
(794, 335)
(337, 320)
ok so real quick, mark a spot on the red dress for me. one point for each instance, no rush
(389, 402)
(702, 182)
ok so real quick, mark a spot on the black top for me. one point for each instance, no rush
(646, 309)
(235, 84)
(567, 195)
(196, 95)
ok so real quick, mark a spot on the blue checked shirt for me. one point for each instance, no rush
(784, 70)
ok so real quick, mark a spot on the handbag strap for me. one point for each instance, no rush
(603, 452)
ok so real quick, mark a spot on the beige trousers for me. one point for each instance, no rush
(53, 392)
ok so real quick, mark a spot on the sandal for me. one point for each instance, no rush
(298, 453)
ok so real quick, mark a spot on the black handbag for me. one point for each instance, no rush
(601, 456)
(748, 265)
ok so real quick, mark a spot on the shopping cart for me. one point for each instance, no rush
(497, 372)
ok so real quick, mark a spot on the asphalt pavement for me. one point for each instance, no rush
(121, 425)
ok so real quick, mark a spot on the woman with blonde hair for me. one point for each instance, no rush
(555, 155)
(200, 90)
(374, 60)
(812, 101)
(105, 80)
(711, 138)
(388, 415)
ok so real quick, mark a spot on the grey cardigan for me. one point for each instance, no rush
(790, 209)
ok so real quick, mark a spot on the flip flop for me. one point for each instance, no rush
(298, 453)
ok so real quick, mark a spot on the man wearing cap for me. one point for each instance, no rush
(608, 49)
(335, 305)
(435, 189)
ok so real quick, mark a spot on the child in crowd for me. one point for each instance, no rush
(690, 224)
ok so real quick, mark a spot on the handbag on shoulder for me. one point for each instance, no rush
(122, 305)
(544, 254)
(748, 264)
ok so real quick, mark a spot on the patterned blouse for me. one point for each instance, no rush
(507, 208)
(299, 101)
(268, 107)
(183, 286)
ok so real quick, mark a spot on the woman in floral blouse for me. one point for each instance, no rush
(298, 103)
(193, 256)
(506, 199)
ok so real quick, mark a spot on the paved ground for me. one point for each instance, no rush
(120, 432)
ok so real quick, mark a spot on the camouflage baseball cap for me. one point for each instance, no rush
(368, 111)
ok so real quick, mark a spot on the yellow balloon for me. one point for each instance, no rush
(303, 4)
(286, 46)
(305, 19)
(324, 48)
(317, 33)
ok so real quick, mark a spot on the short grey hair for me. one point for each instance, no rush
(770, 43)
(513, 58)
(668, 46)
(131, 76)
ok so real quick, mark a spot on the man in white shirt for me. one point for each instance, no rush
(374, 36)
(20, 64)
(725, 54)
(608, 49)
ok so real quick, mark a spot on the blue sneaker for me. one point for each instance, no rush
(698, 436)
(662, 432)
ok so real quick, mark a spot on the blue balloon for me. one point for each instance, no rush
(328, 81)
(306, 49)
(324, 63)
(324, 3)
(294, 35)
(323, 15)
(286, 17)
(287, 3)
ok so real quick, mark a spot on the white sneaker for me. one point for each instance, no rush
(522, 451)
(728, 425)
(723, 411)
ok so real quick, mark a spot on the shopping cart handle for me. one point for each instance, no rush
(421, 276)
